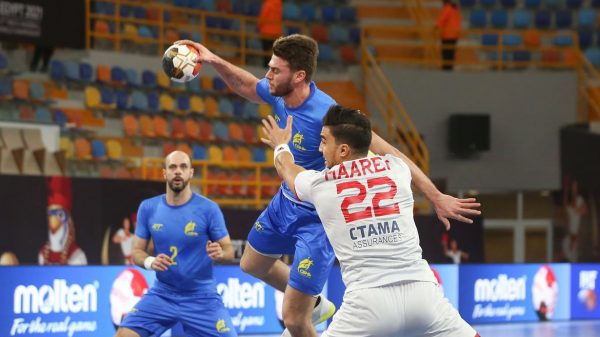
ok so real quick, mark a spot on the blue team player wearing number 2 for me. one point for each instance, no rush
(288, 225)
(189, 233)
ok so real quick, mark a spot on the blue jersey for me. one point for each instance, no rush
(306, 128)
(182, 232)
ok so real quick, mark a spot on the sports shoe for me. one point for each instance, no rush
(322, 312)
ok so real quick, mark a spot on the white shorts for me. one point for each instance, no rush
(405, 309)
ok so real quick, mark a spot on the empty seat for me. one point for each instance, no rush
(499, 18)
(118, 75)
(291, 11)
(192, 129)
(587, 18)
(574, 4)
(132, 77)
(521, 19)
(177, 128)
(98, 149)
(20, 89)
(37, 91)
(72, 70)
(593, 55)
(199, 152)
(103, 73)
(139, 101)
(563, 19)
(122, 99)
(585, 38)
(167, 103)
(542, 19)
(57, 70)
(196, 104)
(512, 40)
(477, 18)
(329, 13)
(225, 107)
(308, 12)
(130, 125)
(563, 40)
(148, 79)
(86, 72)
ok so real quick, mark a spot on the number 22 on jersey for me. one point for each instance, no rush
(375, 209)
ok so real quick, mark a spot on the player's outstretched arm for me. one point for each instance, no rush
(446, 206)
(220, 251)
(239, 80)
(278, 138)
(144, 260)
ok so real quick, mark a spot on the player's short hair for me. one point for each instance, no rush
(300, 51)
(349, 126)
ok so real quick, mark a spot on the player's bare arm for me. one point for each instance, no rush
(220, 251)
(140, 256)
(239, 80)
(446, 206)
(284, 161)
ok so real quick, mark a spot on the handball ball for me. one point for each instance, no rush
(179, 63)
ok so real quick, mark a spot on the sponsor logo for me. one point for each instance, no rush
(304, 267)
(502, 296)
(221, 326)
(157, 227)
(243, 295)
(297, 141)
(58, 298)
(544, 292)
(190, 229)
(374, 234)
(587, 289)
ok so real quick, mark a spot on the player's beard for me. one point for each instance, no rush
(282, 89)
(178, 187)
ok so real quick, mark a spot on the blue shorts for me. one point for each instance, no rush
(286, 227)
(200, 314)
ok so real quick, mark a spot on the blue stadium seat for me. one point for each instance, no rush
(338, 34)
(133, 80)
(57, 70)
(125, 11)
(328, 14)
(139, 101)
(552, 3)
(220, 130)
(193, 85)
(107, 95)
(60, 118)
(291, 11)
(521, 19)
(477, 18)
(199, 152)
(86, 72)
(225, 107)
(183, 102)
(98, 149)
(36, 90)
(488, 3)
(308, 12)
(534, 4)
(43, 115)
(149, 79)
(212, 22)
(499, 18)
(325, 53)
(563, 40)
(521, 56)
(139, 12)
(585, 38)
(489, 39)
(181, 3)
(508, 3)
(253, 9)
(208, 5)
(574, 4)
(563, 18)
(258, 155)
(219, 84)
(593, 55)
(254, 43)
(72, 70)
(3, 62)
(348, 14)
(122, 99)
(238, 108)
(355, 35)
(467, 3)
(146, 32)
(512, 40)
(225, 23)
(153, 102)
(5, 87)
(587, 18)
(251, 112)
(542, 19)
(117, 74)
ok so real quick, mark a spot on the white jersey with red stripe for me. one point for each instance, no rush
(366, 207)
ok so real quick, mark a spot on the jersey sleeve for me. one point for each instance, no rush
(303, 184)
(262, 89)
(142, 228)
(216, 224)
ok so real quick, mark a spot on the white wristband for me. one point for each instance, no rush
(280, 149)
(148, 262)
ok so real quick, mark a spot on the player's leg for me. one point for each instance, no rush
(313, 259)
(214, 320)
(268, 239)
(153, 314)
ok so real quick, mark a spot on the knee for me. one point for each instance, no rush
(248, 266)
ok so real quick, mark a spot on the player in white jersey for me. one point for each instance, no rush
(366, 206)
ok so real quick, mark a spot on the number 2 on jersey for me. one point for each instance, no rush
(369, 211)
(173, 250)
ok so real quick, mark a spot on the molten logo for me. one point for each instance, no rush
(242, 295)
(60, 297)
(502, 288)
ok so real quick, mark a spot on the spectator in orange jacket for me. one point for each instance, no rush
(449, 23)
(269, 25)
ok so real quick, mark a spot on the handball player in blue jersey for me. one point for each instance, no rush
(288, 225)
(189, 233)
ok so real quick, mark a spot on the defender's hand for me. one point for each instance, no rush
(276, 135)
(447, 206)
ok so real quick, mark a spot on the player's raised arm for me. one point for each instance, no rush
(239, 80)
(446, 206)
(278, 139)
